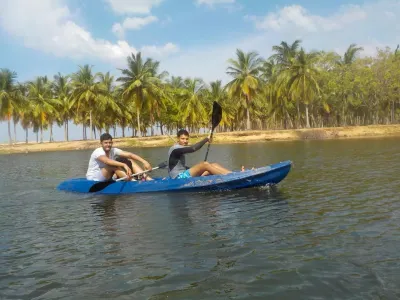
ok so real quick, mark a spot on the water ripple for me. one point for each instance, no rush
(330, 230)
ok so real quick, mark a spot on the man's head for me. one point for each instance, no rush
(183, 137)
(106, 141)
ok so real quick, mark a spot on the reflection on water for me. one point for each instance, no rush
(331, 229)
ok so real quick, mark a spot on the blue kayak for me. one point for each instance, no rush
(268, 175)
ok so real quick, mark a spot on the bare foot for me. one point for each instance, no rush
(242, 168)
(147, 177)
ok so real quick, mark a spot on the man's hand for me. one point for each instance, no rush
(147, 166)
(127, 171)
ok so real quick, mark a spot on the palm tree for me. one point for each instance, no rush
(301, 78)
(22, 107)
(157, 98)
(44, 107)
(350, 54)
(108, 107)
(85, 92)
(192, 102)
(8, 97)
(285, 53)
(217, 92)
(140, 82)
(61, 87)
(245, 71)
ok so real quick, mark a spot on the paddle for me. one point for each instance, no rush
(160, 166)
(215, 119)
(103, 184)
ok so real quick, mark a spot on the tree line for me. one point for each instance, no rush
(293, 88)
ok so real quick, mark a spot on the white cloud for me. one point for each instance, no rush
(368, 26)
(133, 6)
(134, 23)
(154, 51)
(57, 33)
(296, 16)
(214, 2)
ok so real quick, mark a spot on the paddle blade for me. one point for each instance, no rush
(216, 115)
(97, 187)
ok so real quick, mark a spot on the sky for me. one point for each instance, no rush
(189, 37)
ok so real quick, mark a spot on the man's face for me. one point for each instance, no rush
(107, 144)
(183, 140)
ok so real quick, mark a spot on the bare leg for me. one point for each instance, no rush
(221, 168)
(202, 167)
(137, 169)
(108, 172)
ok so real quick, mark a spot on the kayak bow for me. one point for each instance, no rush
(268, 175)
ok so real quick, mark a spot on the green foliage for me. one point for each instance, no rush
(292, 88)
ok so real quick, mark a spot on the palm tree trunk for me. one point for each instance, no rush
(161, 128)
(114, 131)
(9, 130)
(307, 117)
(298, 112)
(65, 131)
(248, 124)
(392, 114)
(41, 133)
(26, 135)
(51, 132)
(15, 131)
(344, 112)
(138, 122)
(91, 125)
(123, 131)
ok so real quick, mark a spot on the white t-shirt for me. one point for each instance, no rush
(95, 165)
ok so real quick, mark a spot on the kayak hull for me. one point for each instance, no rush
(268, 175)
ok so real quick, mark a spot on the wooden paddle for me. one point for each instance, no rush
(215, 119)
(103, 184)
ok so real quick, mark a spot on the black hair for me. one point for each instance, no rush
(105, 136)
(125, 161)
(182, 132)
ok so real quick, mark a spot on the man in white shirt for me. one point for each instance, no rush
(102, 164)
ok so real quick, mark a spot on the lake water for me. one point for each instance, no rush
(330, 230)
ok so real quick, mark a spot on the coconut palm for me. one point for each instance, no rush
(9, 98)
(301, 79)
(350, 55)
(108, 107)
(140, 83)
(44, 107)
(62, 90)
(85, 92)
(245, 71)
(193, 103)
(285, 54)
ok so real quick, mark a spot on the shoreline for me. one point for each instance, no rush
(250, 136)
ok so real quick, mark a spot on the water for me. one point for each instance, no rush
(330, 230)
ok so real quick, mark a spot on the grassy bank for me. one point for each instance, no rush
(219, 138)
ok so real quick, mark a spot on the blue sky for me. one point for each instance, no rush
(189, 37)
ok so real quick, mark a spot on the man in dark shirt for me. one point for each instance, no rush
(176, 159)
